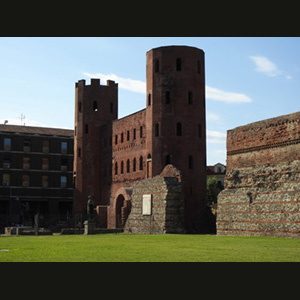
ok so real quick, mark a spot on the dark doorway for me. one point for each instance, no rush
(119, 206)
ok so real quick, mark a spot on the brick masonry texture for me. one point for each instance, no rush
(262, 184)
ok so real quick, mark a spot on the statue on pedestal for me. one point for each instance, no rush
(90, 207)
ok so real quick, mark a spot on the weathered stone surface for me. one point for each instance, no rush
(166, 211)
(262, 184)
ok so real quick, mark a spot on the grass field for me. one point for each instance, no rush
(147, 248)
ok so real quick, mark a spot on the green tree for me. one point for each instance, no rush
(213, 190)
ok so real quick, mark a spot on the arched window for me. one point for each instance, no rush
(149, 100)
(134, 165)
(191, 162)
(122, 167)
(156, 129)
(199, 130)
(156, 66)
(128, 166)
(179, 129)
(168, 97)
(198, 66)
(178, 64)
(116, 168)
(190, 97)
(168, 159)
(141, 163)
(95, 106)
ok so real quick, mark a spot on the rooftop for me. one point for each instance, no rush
(36, 130)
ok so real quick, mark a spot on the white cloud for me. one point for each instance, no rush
(139, 86)
(124, 83)
(215, 136)
(265, 65)
(212, 117)
(227, 97)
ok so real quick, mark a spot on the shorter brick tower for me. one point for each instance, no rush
(96, 106)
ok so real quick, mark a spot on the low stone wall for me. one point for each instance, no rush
(157, 206)
(26, 230)
(261, 201)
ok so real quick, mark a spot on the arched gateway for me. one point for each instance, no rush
(122, 206)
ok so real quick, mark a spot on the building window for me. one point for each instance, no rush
(122, 167)
(27, 145)
(45, 181)
(141, 132)
(134, 165)
(64, 147)
(190, 97)
(199, 67)
(6, 162)
(26, 163)
(149, 100)
(95, 106)
(178, 64)
(116, 168)
(64, 165)
(128, 166)
(122, 137)
(86, 128)
(199, 130)
(168, 159)
(156, 130)
(63, 181)
(6, 180)
(26, 180)
(168, 97)
(128, 135)
(191, 162)
(156, 66)
(7, 144)
(45, 164)
(46, 146)
(179, 129)
(134, 133)
(141, 163)
(116, 139)
(79, 152)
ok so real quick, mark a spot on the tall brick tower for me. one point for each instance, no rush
(96, 106)
(175, 122)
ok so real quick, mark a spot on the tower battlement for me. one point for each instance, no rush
(95, 82)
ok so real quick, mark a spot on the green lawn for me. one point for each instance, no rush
(147, 248)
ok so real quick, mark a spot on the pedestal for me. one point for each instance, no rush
(89, 227)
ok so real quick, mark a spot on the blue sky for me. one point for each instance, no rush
(247, 78)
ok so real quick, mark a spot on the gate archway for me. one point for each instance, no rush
(122, 207)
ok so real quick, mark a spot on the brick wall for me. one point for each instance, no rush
(262, 184)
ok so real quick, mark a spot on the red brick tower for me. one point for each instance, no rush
(96, 106)
(175, 122)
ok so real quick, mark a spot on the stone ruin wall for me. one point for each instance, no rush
(167, 211)
(262, 184)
